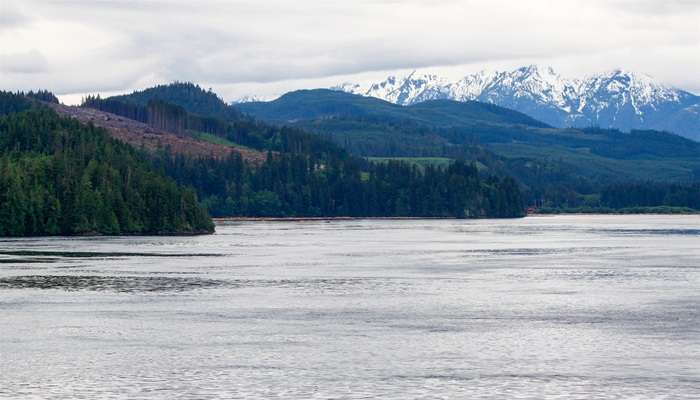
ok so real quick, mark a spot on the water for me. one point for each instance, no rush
(581, 307)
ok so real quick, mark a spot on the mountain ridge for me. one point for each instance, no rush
(616, 99)
(373, 127)
(327, 102)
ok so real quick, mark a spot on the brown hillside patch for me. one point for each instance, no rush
(141, 135)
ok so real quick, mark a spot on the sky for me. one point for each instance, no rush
(267, 47)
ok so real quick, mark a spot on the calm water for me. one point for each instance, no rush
(581, 307)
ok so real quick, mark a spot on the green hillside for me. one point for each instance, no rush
(186, 95)
(551, 163)
(323, 103)
(59, 177)
(305, 174)
(555, 167)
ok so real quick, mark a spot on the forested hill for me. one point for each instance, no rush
(554, 167)
(439, 124)
(324, 103)
(557, 167)
(187, 110)
(60, 177)
(305, 174)
(187, 95)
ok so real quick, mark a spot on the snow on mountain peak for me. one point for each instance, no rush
(405, 90)
(637, 90)
(349, 87)
(602, 99)
(248, 99)
(532, 81)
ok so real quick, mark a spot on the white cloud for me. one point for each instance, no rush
(29, 62)
(11, 18)
(270, 46)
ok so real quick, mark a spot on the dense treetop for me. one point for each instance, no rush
(299, 185)
(556, 167)
(186, 95)
(309, 175)
(59, 177)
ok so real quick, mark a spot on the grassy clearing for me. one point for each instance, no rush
(420, 161)
(208, 137)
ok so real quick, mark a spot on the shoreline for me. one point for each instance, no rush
(604, 213)
(312, 219)
(301, 219)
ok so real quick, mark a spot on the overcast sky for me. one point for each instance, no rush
(266, 47)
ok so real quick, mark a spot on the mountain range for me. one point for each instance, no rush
(499, 138)
(432, 158)
(617, 99)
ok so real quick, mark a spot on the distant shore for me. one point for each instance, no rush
(660, 210)
(281, 219)
(543, 213)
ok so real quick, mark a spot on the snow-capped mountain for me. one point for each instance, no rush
(617, 99)
(247, 99)
(412, 89)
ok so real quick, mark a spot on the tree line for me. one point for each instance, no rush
(60, 177)
(308, 175)
(299, 185)
(651, 194)
(175, 118)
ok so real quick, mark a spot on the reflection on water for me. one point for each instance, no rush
(124, 284)
(549, 307)
(129, 284)
(648, 232)
(93, 254)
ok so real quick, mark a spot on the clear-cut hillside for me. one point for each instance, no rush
(139, 134)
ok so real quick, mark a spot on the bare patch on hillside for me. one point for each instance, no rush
(141, 135)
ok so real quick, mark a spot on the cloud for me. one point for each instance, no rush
(30, 62)
(11, 18)
(243, 42)
(656, 7)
